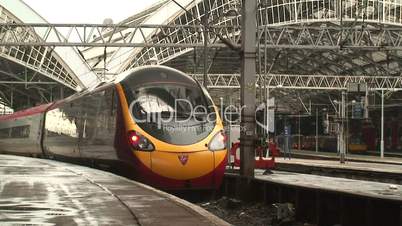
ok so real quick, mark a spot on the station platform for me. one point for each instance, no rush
(333, 184)
(384, 191)
(322, 200)
(45, 192)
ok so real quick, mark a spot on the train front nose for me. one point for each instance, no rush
(184, 169)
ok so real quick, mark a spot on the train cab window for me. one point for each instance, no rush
(20, 131)
(175, 113)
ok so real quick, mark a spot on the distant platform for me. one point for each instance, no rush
(44, 192)
(350, 157)
(361, 167)
(372, 167)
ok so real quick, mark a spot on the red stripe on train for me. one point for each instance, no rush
(30, 111)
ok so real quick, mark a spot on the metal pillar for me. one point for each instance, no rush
(205, 34)
(366, 104)
(342, 135)
(61, 93)
(316, 129)
(248, 90)
(229, 122)
(382, 124)
(267, 115)
(299, 142)
(12, 99)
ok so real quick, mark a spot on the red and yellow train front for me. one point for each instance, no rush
(175, 134)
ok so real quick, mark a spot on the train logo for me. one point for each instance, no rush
(183, 159)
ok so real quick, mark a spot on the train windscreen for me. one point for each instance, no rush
(176, 113)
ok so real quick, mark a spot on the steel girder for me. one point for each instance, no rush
(294, 25)
(331, 37)
(116, 35)
(341, 15)
(308, 82)
(345, 14)
(326, 37)
(309, 11)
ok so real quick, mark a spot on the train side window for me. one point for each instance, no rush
(15, 132)
(5, 133)
(20, 131)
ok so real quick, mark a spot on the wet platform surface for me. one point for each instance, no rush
(44, 192)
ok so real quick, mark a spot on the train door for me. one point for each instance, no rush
(98, 112)
(62, 132)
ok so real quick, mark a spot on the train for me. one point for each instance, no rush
(326, 143)
(145, 119)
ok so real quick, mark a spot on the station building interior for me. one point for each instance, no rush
(327, 77)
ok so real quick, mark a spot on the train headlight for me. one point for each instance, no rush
(139, 142)
(218, 142)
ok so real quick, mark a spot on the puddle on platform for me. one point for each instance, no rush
(18, 212)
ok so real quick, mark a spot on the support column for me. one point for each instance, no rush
(205, 34)
(61, 93)
(343, 135)
(316, 129)
(229, 123)
(248, 90)
(267, 114)
(12, 99)
(382, 124)
(366, 104)
(299, 132)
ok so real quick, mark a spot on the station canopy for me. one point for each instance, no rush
(313, 38)
(308, 37)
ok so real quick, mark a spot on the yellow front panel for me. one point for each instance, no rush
(219, 157)
(168, 164)
(357, 147)
(144, 157)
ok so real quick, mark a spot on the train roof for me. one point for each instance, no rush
(154, 73)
